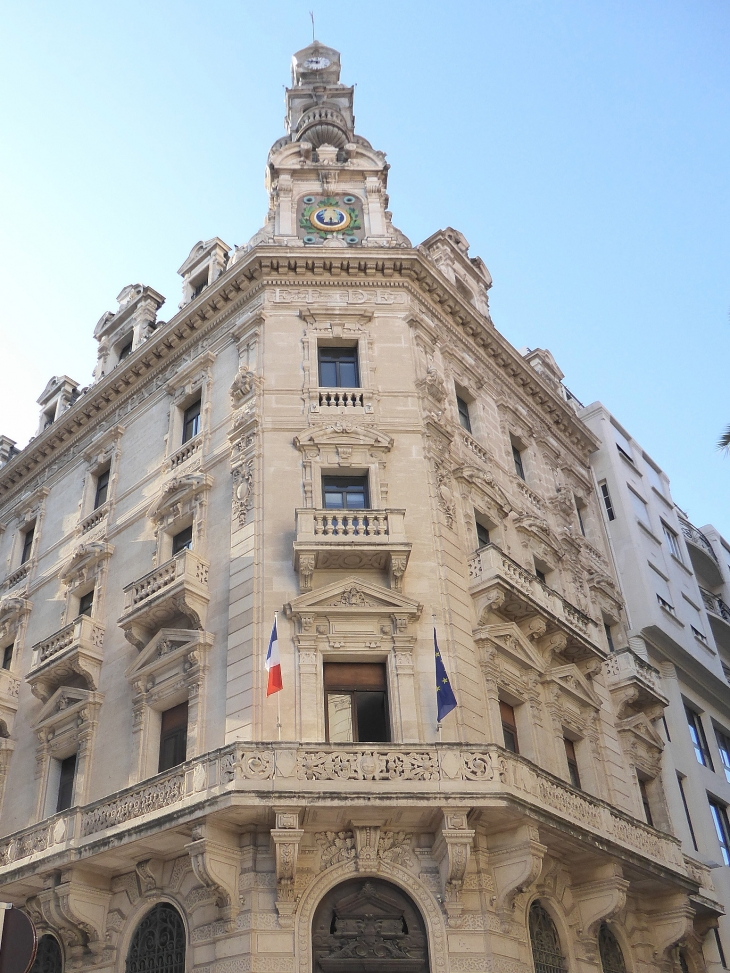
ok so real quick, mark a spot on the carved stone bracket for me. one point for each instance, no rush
(77, 911)
(600, 897)
(515, 859)
(215, 857)
(671, 922)
(285, 838)
(452, 849)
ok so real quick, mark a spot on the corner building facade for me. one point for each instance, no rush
(331, 428)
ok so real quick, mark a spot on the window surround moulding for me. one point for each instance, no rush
(348, 447)
(181, 500)
(102, 452)
(190, 380)
(328, 327)
(85, 570)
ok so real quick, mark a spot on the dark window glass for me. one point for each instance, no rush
(191, 421)
(356, 702)
(540, 575)
(338, 368)
(463, 413)
(345, 492)
(102, 488)
(724, 747)
(722, 827)
(546, 952)
(48, 957)
(572, 762)
(607, 502)
(519, 467)
(699, 740)
(86, 603)
(27, 544)
(609, 637)
(158, 944)
(482, 535)
(720, 950)
(66, 783)
(199, 288)
(580, 519)
(645, 802)
(509, 727)
(7, 656)
(126, 350)
(182, 541)
(612, 958)
(666, 728)
(686, 812)
(173, 737)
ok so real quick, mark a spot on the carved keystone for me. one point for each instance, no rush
(215, 857)
(285, 838)
(515, 859)
(451, 849)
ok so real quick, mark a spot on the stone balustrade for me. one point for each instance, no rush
(185, 565)
(626, 664)
(95, 518)
(428, 773)
(76, 649)
(186, 452)
(20, 574)
(80, 629)
(330, 399)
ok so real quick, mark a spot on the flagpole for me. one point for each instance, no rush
(438, 722)
(278, 700)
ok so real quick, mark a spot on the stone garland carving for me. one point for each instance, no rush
(445, 494)
(243, 491)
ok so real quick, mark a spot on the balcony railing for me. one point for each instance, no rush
(186, 452)
(350, 539)
(76, 648)
(95, 518)
(20, 574)
(353, 400)
(715, 604)
(697, 538)
(626, 672)
(360, 774)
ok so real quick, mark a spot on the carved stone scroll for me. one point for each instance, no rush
(515, 859)
(452, 849)
(215, 857)
(285, 838)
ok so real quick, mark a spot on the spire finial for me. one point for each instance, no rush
(311, 14)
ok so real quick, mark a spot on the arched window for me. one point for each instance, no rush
(158, 944)
(612, 958)
(48, 957)
(546, 951)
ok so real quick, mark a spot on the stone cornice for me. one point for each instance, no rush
(300, 267)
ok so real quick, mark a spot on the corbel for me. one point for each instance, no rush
(515, 860)
(215, 858)
(285, 838)
(149, 873)
(671, 921)
(451, 849)
(599, 897)
(77, 910)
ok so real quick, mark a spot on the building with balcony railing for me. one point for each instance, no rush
(331, 432)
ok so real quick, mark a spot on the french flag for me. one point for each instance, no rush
(273, 664)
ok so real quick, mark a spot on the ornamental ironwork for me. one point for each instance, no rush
(158, 944)
(48, 957)
(546, 951)
(612, 957)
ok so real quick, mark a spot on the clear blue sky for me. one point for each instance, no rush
(582, 147)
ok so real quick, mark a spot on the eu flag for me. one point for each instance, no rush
(445, 699)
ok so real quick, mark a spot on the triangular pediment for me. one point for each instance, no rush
(641, 727)
(165, 647)
(511, 642)
(343, 434)
(572, 681)
(65, 703)
(353, 594)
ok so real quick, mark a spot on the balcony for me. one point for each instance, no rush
(14, 579)
(177, 588)
(701, 553)
(331, 401)
(190, 450)
(635, 685)
(74, 651)
(517, 594)
(719, 614)
(9, 690)
(95, 518)
(350, 540)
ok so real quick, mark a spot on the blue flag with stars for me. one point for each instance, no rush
(445, 699)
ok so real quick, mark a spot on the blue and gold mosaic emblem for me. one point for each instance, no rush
(320, 218)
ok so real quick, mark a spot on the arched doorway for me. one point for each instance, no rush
(158, 944)
(48, 957)
(366, 924)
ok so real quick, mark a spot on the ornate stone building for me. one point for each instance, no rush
(330, 427)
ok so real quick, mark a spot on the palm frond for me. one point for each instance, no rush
(724, 441)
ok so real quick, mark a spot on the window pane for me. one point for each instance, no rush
(86, 603)
(182, 541)
(719, 817)
(372, 723)
(463, 413)
(7, 656)
(102, 489)
(327, 374)
(66, 783)
(482, 535)
(341, 492)
(27, 544)
(348, 374)
(191, 421)
(339, 717)
(519, 467)
(173, 737)
(724, 746)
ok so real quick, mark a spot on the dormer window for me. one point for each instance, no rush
(198, 287)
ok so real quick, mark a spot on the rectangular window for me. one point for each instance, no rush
(672, 541)
(356, 702)
(663, 594)
(580, 517)
(183, 541)
(191, 421)
(722, 827)
(640, 510)
(86, 603)
(27, 544)
(519, 466)
(699, 635)
(680, 782)
(126, 349)
(66, 783)
(463, 413)
(509, 727)
(482, 535)
(723, 745)
(720, 950)
(102, 488)
(572, 762)
(654, 479)
(338, 368)
(645, 802)
(198, 287)
(345, 492)
(699, 740)
(607, 501)
(7, 656)
(173, 737)
(609, 637)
